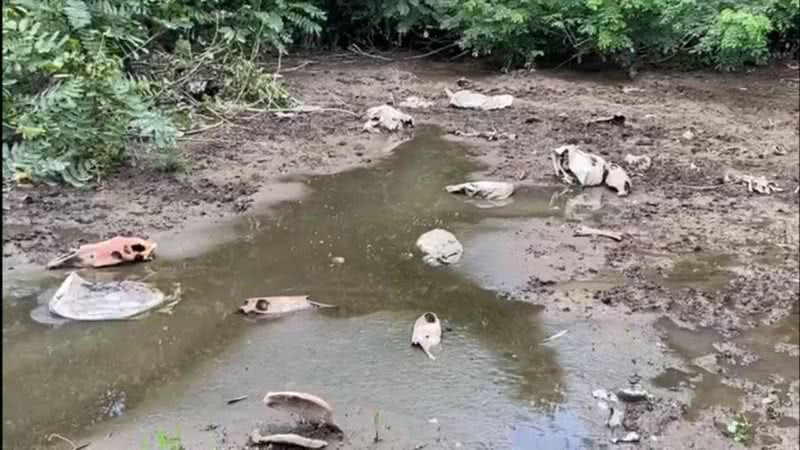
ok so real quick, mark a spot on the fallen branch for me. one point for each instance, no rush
(74, 447)
(431, 53)
(700, 188)
(304, 109)
(202, 129)
(355, 49)
(298, 67)
(588, 231)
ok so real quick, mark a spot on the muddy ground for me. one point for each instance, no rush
(694, 126)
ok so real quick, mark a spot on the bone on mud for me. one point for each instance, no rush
(387, 118)
(111, 252)
(489, 190)
(308, 407)
(473, 100)
(759, 185)
(287, 439)
(272, 306)
(615, 119)
(589, 231)
(427, 333)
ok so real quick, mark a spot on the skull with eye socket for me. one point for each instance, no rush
(272, 306)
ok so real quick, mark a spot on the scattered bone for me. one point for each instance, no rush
(572, 165)
(589, 231)
(427, 333)
(474, 100)
(488, 190)
(616, 178)
(287, 439)
(632, 395)
(555, 336)
(629, 438)
(233, 400)
(639, 163)
(615, 417)
(488, 135)
(114, 251)
(388, 118)
(631, 89)
(271, 306)
(79, 299)
(439, 247)
(309, 408)
(338, 260)
(604, 395)
(616, 119)
(415, 103)
(759, 185)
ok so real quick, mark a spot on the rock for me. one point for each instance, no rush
(427, 333)
(387, 118)
(415, 103)
(287, 439)
(488, 190)
(688, 135)
(308, 407)
(629, 438)
(439, 247)
(111, 252)
(272, 306)
(639, 163)
(617, 179)
(79, 299)
(473, 100)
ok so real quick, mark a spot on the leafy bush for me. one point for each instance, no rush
(737, 38)
(726, 33)
(89, 83)
(67, 96)
(72, 110)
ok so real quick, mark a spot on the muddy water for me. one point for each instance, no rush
(68, 378)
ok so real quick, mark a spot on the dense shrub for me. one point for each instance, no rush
(71, 108)
(725, 33)
(88, 84)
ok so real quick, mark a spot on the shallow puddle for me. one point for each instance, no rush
(765, 355)
(65, 379)
(707, 271)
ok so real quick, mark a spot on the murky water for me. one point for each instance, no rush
(67, 378)
(494, 385)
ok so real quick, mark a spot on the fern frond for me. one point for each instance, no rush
(77, 13)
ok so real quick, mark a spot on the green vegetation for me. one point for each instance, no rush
(740, 429)
(90, 84)
(166, 442)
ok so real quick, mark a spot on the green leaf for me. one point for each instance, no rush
(77, 13)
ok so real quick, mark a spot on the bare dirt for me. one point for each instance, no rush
(695, 126)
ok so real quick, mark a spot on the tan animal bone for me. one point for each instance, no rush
(307, 407)
(287, 439)
(111, 252)
(271, 306)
